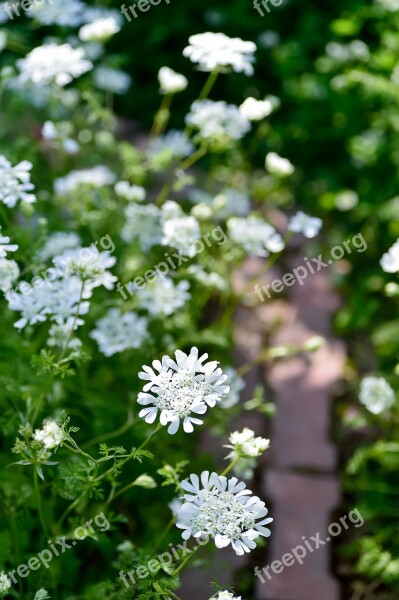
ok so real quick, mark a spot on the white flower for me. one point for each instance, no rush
(225, 596)
(9, 272)
(180, 388)
(60, 335)
(390, 261)
(218, 51)
(57, 243)
(176, 143)
(376, 394)
(179, 231)
(112, 80)
(90, 265)
(58, 137)
(163, 298)
(170, 81)
(119, 331)
(257, 237)
(224, 509)
(277, 165)
(15, 182)
(100, 30)
(5, 245)
(58, 12)
(245, 445)
(237, 384)
(255, 110)
(175, 506)
(301, 223)
(5, 584)
(217, 121)
(51, 436)
(133, 193)
(96, 177)
(143, 224)
(53, 64)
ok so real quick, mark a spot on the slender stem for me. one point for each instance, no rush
(148, 440)
(162, 116)
(210, 82)
(70, 508)
(183, 564)
(230, 466)
(75, 448)
(111, 434)
(188, 162)
(39, 503)
(163, 535)
(120, 492)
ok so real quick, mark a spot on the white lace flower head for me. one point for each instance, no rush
(170, 81)
(277, 165)
(256, 237)
(51, 436)
(5, 245)
(179, 230)
(255, 110)
(57, 243)
(217, 121)
(58, 12)
(53, 64)
(15, 182)
(5, 584)
(162, 297)
(96, 177)
(244, 444)
(218, 51)
(90, 265)
(100, 30)
(302, 223)
(119, 331)
(9, 273)
(376, 394)
(390, 261)
(178, 388)
(133, 193)
(224, 595)
(223, 509)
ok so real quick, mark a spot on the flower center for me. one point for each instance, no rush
(223, 514)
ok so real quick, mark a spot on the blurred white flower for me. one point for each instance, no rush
(179, 230)
(175, 505)
(224, 509)
(302, 223)
(90, 265)
(100, 30)
(244, 444)
(376, 394)
(51, 436)
(58, 136)
(255, 110)
(5, 584)
(180, 388)
(225, 596)
(133, 193)
(176, 143)
(112, 80)
(170, 81)
(60, 335)
(208, 280)
(96, 177)
(57, 243)
(237, 384)
(216, 121)
(5, 245)
(257, 237)
(119, 331)
(58, 12)
(390, 260)
(143, 224)
(53, 64)
(277, 165)
(9, 273)
(162, 298)
(15, 182)
(218, 51)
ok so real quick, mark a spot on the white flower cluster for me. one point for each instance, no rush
(5, 584)
(96, 177)
(89, 265)
(256, 110)
(9, 270)
(5, 245)
(179, 230)
(162, 297)
(15, 182)
(225, 596)
(132, 193)
(67, 14)
(179, 388)
(224, 509)
(244, 444)
(119, 331)
(100, 30)
(301, 223)
(277, 165)
(237, 384)
(218, 51)
(142, 225)
(376, 394)
(57, 243)
(170, 81)
(217, 121)
(53, 64)
(390, 261)
(255, 236)
(51, 436)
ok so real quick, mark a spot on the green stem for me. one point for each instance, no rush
(39, 503)
(185, 561)
(162, 116)
(210, 82)
(188, 162)
(148, 440)
(163, 535)
(230, 466)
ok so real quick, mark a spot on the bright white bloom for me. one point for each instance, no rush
(100, 30)
(301, 223)
(257, 237)
(244, 444)
(90, 265)
(51, 436)
(5, 584)
(53, 64)
(119, 331)
(376, 394)
(96, 177)
(58, 12)
(163, 298)
(218, 51)
(217, 121)
(225, 596)
(176, 143)
(180, 388)
(179, 230)
(15, 182)
(390, 261)
(255, 110)
(170, 81)
(143, 224)
(112, 80)
(237, 384)
(5, 245)
(133, 193)
(57, 243)
(58, 136)
(224, 509)
(9, 273)
(277, 165)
